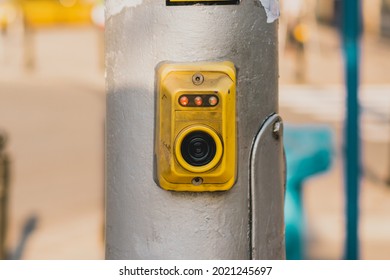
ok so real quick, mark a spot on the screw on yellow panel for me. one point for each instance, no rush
(195, 137)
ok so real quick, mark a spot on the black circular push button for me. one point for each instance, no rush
(198, 148)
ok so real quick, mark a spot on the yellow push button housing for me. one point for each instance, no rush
(195, 138)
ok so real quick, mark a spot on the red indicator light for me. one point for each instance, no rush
(213, 100)
(183, 101)
(198, 101)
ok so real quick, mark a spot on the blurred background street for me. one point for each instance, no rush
(52, 109)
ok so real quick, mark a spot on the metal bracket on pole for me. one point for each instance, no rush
(267, 197)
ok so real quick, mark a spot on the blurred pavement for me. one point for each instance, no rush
(54, 117)
(324, 194)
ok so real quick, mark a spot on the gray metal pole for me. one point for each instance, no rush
(145, 221)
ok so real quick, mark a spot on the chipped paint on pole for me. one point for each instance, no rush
(145, 221)
(117, 6)
(272, 8)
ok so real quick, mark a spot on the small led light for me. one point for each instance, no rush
(198, 101)
(213, 100)
(183, 101)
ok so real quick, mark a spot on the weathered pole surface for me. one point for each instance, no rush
(143, 220)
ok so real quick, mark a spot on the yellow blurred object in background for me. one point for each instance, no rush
(301, 33)
(8, 14)
(51, 12)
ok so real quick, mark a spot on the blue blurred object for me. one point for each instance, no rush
(308, 152)
(352, 27)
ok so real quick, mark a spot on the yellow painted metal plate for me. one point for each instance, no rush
(176, 122)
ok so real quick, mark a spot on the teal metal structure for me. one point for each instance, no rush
(309, 151)
(351, 29)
